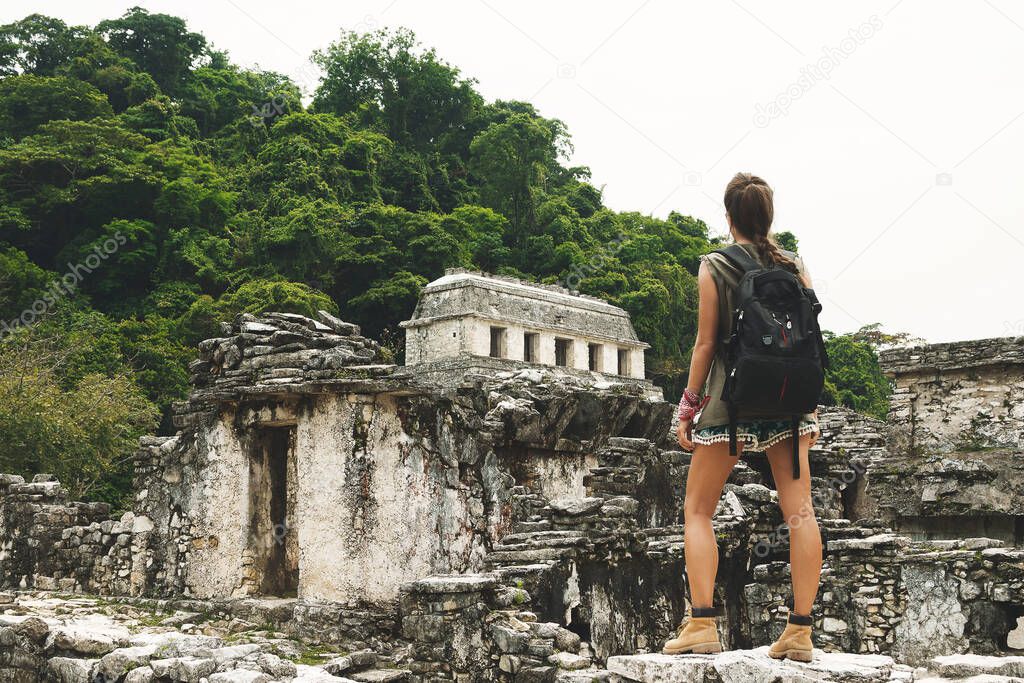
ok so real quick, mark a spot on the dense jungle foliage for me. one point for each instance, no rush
(150, 188)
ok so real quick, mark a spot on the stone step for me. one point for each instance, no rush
(540, 535)
(658, 531)
(628, 443)
(616, 488)
(967, 666)
(380, 676)
(742, 666)
(512, 571)
(526, 556)
(569, 542)
(584, 676)
(602, 470)
(522, 576)
(539, 545)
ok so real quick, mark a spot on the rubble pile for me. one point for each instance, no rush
(84, 640)
(276, 353)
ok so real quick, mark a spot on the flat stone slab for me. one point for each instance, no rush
(983, 678)
(381, 676)
(456, 583)
(755, 666)
(309, 674)
(92, 635)
(967, 665)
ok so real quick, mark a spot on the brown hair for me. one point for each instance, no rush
(748, 200)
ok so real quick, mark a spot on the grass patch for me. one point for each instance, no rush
(313, 655)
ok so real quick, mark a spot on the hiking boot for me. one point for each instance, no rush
(795, 641)
(697, 635)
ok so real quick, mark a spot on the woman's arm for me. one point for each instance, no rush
(704, 347)
(707, 329)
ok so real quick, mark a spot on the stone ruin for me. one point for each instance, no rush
(323, 515)
(471, 321)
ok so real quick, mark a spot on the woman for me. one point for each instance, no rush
(703, 429)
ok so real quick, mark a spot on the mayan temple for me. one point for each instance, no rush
(507, 506)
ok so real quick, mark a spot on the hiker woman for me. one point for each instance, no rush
(704, 428)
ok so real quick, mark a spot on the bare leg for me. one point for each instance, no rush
(798, 512)
(709, 469)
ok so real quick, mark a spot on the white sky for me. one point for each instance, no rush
(900, 171)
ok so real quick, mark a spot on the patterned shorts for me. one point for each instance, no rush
(757, 435)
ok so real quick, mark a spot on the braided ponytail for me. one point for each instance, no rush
(749, 201)
(771, 253)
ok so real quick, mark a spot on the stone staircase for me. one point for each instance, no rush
(534, 561)
(531, 565)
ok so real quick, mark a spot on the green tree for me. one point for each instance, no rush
(854, 378)
(383, 78)
(387, 300)
(217, 97)
(39, 45)
(161, 45)
(28, 101)
(223, 194)
(510, 159)
(85, 433)
(22, 283)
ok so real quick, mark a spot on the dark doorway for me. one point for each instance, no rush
(273, 540)
(562, 351)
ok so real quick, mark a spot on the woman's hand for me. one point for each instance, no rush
(815, 435)
(683, 434)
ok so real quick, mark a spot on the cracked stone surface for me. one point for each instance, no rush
(755, 666)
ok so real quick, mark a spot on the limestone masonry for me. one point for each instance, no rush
(468, 319)
(492, 513)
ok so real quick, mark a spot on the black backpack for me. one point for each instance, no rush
(775, 354)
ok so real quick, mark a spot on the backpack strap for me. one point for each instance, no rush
(738, 256)
(732, 427)
(795, 437)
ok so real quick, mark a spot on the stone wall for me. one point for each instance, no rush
(590, 567)
(954, 442)
(915, 600)
(958, 396)
(49, 542)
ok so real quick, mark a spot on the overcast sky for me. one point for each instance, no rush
(891, 131)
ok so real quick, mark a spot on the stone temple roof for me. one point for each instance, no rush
(464, 293)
